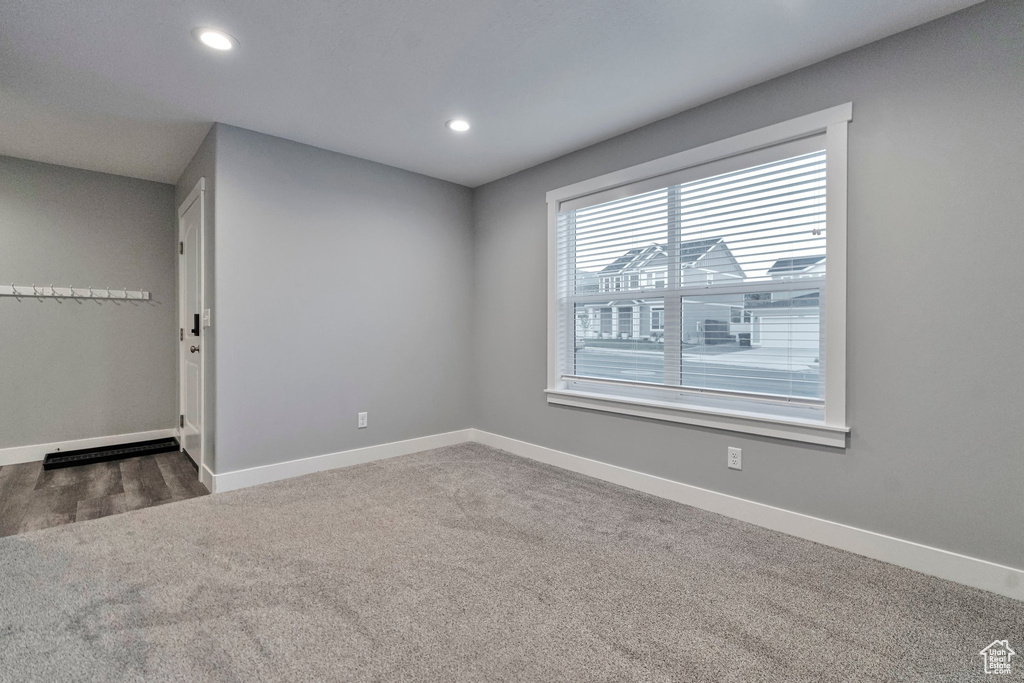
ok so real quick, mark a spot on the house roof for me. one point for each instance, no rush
(795, 265)
(689, 251)
(626, 260)
(783, 300)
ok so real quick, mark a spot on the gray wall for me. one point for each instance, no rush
(342, 286)
(204, 165)
(78, 369)
(935, 363)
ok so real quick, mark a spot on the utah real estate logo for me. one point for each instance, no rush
(997, 657)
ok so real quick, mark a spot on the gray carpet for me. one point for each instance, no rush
(469, 564)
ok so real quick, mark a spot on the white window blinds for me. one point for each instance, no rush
(708, 282)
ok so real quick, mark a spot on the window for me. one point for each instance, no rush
(728, 263)
(657, 319)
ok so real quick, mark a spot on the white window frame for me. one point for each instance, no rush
(832, 429)
(661, 318)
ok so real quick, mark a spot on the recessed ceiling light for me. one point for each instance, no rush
(458, 125)
(211, 37)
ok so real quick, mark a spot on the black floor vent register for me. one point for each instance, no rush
(87, 456)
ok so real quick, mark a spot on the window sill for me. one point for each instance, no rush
(733, 421)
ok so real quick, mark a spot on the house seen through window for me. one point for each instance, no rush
(715, 285)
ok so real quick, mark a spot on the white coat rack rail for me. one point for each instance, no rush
(51, 292)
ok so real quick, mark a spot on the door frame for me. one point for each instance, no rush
(198, 194)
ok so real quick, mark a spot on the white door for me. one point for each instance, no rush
(190, 334)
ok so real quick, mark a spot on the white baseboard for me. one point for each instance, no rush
(20, 454)
(944, 564)
(925, 559)
(229, 481)
(206, 478)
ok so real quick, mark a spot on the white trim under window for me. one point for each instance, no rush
(705, 281)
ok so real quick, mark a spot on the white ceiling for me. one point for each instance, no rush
(120, 85)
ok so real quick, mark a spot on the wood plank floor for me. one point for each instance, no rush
(32, 498)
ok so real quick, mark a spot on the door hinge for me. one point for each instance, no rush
(181, 420)
(181, 334)
(181, 247)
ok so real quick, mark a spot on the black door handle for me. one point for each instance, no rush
(195, 325)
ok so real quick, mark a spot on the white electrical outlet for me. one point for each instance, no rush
(362, 420)
(735, 458)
